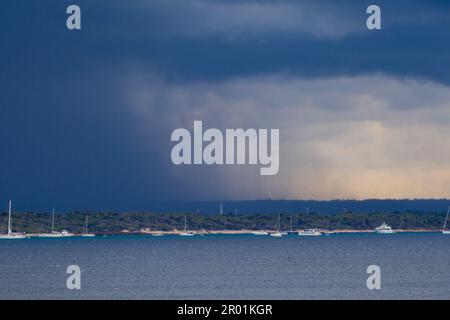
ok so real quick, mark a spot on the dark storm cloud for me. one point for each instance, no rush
(197, 39)
(68, 136)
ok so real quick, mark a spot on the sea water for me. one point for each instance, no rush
(413, 266)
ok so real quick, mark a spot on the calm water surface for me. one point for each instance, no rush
(413, 266)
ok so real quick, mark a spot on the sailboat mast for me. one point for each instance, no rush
(446, 218)
(53, 219)
(86, 229)
(185, 224)
(9, 217)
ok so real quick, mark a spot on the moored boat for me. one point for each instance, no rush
(85, 232)
(186, 233)
(53, 233)
(260, 233)
(11, 235)
(276, 234)
(156, 233)
(445, 223)
(310, 232)
(384, 228)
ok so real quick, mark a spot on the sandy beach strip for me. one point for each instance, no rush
(249, 232)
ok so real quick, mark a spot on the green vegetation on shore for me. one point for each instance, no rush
(30, 222)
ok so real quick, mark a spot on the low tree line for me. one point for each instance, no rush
(31, 222)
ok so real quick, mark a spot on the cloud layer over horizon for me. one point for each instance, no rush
(87, 116)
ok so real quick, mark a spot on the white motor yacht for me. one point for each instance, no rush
(310, 232)
(445, 223)
(384, 228)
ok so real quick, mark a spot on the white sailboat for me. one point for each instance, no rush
(53, 233)
(156, 233)
(277, 234)
(85, 232)
(327, 231)
(445, 223)
(260, 233)
(11, 235)
(290, 228)
(186, 233)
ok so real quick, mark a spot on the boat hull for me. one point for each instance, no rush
(260, 233)
(310, 233)
(276, 235)
(13, 237)
(54, 235)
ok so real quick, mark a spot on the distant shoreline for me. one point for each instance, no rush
(256, 233)
(105, 223)
(251, 232)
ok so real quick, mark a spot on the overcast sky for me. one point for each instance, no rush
(86, 116)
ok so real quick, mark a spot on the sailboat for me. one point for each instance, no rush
(55, 234)
(85, 232)
(327, 231)
(11, 235)
(260, 233)
(277, 227)
(290, 228)
(156, 233)
(445, 223)
(186, 233)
